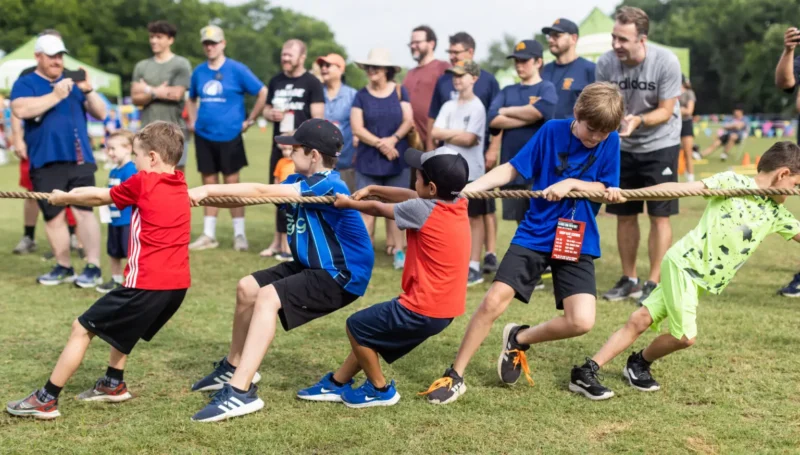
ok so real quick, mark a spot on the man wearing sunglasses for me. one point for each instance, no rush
(569, 73)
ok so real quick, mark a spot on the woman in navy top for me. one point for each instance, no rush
(381, 118)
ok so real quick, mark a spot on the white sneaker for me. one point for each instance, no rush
(724, 156)
(697, 156)
(240, 243)
(203, 242)
(689, 177)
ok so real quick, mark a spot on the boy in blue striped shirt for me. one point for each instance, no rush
(332, 266)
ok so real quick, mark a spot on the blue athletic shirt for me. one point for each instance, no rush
(540, 160)
(116, 177)
(52, 136)
(569, 80)
(542, 96)
(221, 94)
(324, 237)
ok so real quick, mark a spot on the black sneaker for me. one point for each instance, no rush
(108, 286)
(647, 288)
(490, 263)
(584, 380)
(637, 372)
(474, 277)
(446, 389)
(512, 361)
(624, 289)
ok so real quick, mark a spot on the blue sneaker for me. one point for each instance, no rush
(399, 260)
(217, 378)
(90, 277)
(58, 275)
(792, 289)
(228, 403)
(367, 396)
(324, 390)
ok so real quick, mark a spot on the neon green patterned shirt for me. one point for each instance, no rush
(728, 233)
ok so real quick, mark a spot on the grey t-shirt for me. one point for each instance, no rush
(413, 213)
(657, 78)
(687, 96)
(176, 72)
(471, 118)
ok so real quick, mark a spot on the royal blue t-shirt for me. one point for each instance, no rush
(221, 94)
(540, 160)
(116, 177)
(569, 80)
(542, 96)
(324, 237)
(382, 117)
(57, 134)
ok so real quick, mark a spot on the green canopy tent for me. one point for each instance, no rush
(14, 62)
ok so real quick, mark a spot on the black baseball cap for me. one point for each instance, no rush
(561, 26)
(317, 134)
(527, 49)
(444, 166)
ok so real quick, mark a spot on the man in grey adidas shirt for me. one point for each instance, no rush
(649, 78)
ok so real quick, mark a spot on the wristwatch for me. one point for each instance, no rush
(397, 137)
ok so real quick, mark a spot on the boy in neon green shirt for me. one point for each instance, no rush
(706, 259)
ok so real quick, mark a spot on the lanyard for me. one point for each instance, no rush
(564, 165)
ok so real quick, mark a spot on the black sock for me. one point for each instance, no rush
(30, 231)
(238, 390)
(383, 389)
(113, 376)
(71, 230)
(49, 392)
(335, 382)
(228, 365)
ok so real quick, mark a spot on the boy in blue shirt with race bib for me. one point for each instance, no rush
(580, 154)
(332, 265)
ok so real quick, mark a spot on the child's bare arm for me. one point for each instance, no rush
(669, 186)
(497, 177)
(374, 208)
(86, 196)
(387, 193)
(241, 190)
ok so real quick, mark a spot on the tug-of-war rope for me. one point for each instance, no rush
(631, 195)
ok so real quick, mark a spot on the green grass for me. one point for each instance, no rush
(736, 391)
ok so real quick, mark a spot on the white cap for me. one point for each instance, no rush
(49, 45)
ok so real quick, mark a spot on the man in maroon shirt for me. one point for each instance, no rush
(421, 81)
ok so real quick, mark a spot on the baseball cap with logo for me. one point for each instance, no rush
(332, 59)
(465, 67)
(445, 167)
(211, 33)
(317, 134)
(49, 45)
(527, 49)
(561, 26)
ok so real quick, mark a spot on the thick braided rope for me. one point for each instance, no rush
(634, 195)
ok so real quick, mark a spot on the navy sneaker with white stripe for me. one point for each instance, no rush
(324, 390)
(221, 375)
(229, 403)
(367, 395)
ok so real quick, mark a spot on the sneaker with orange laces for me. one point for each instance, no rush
(32, 407)
(512, 361)
(445, 389)
(102, 391)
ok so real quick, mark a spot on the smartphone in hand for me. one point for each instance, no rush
(76, 76)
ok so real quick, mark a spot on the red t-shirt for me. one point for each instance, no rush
(420, 83)
(437, 259)
(158, 249)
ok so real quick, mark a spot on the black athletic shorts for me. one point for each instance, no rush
(220, 157)
(125, 315)
(480, 207)
(305, 294)
(687, 128)
(64, 176)
(725, 137)
(522, 268)
(118, 239)
(514, 209)
(639, 170)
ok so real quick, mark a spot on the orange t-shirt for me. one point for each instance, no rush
(437, 259)
(283, 169)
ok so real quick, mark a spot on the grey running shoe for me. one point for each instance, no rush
(26, 245)
(203, 242)
(624, 289)
(647, 288)
(240, 243)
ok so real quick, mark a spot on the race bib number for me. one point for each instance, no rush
(569, 240)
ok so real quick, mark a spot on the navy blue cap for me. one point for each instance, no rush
(527, 49)
(562, 26)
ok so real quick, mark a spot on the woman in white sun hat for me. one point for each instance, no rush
(381, 118)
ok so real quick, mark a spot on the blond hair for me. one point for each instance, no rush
(635, 16)
(124, 134)
(164, 138)
(601, 106)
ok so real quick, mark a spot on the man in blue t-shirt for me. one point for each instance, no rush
(220, 84)
(54, 109)
(569, 73)
(519, 111)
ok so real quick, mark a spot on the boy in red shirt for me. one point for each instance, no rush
(434, 278)
(157, 274)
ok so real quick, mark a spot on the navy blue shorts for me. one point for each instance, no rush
(117, 243)
(393, 330)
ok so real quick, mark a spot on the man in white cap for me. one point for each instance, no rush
(54, 108)
(220, 85)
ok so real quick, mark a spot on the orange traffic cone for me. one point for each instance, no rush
(746, 159)
(681, 163)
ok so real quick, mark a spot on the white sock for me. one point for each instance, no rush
(689, 177)
(475, 265)
(210, 226)
(238, 227)
(634, 280)
(117, 278)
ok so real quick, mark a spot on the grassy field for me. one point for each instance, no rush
(736, 391)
